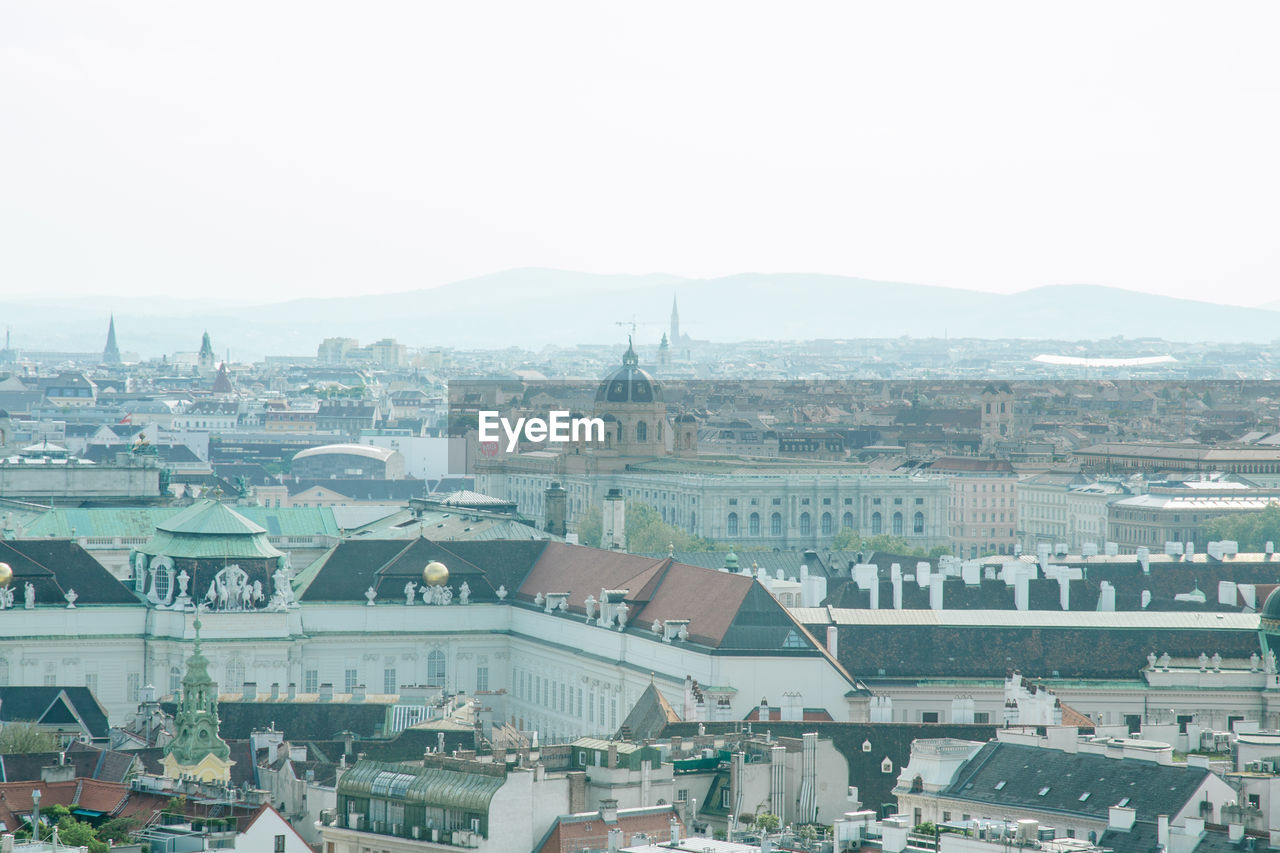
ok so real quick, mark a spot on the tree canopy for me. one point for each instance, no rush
(1253, 530)
(647, 533)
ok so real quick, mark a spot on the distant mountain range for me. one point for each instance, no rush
(538, 307)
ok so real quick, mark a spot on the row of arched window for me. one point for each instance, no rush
(897, 524)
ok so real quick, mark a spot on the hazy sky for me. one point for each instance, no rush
(265, 149)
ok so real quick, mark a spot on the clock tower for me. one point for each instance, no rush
(196, 750)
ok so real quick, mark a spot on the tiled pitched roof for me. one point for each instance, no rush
(955, 651)
(54, 566)
(866, 771)
(63, 706)
(1050, 779)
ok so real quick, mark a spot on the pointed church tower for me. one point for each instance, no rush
(111, 352)
(196, 749)
(675, 323)
(206, 357)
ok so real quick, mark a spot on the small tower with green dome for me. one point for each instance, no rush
(196, 749)
(1269, 640)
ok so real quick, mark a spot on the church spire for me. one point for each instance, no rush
(675, 322)
(111, 352)
(196, 749)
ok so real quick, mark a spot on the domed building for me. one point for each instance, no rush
(209, 554)
(1269, 624)
(631, 401)
(724, 496)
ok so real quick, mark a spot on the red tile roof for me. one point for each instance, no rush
(572, 833)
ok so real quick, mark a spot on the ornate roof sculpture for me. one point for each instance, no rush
(225, 560)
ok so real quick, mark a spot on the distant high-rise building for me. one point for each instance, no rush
(111, 352)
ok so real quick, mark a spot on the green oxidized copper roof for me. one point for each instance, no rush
(431, 786)
(137, 522)
(208, 529)
(210, 517)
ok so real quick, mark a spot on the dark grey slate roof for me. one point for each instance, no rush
(1054, 781)
(63, 706)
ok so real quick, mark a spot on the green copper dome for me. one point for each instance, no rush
(1271, 611)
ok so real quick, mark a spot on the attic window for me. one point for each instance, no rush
(794, 641)
(1043, 791)
(1084, 796)
(1000, 785)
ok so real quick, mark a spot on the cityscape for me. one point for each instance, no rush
(774, 607)
(579, 427)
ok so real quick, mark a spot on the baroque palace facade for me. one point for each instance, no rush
(552, 637)
(758, 502)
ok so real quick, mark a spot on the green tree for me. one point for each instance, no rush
(118, 829)
(77, 833)
(767, 822)
(646, 531)
(22, 738)
(847, 539)
(1253, 530)
(589, 527)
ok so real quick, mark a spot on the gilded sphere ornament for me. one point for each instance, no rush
(435, 574)
(6, 574)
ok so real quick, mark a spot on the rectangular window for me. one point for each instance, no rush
(311, 681)
(279, 844)
(982, 717)
(682, 795)
(51, 679)
(91, 681)
(591, 707)
(929, 717)
(389, 681)
(482, 679)
(349, 680)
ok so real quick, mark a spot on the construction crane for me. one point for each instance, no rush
(632, 324)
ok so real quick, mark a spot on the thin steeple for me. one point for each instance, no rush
(111, 352)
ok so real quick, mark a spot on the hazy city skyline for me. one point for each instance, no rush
(176, 151)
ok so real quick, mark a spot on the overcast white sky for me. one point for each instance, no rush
(263, 150)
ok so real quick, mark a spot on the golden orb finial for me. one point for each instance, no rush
(6, 574)
(435, 574)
